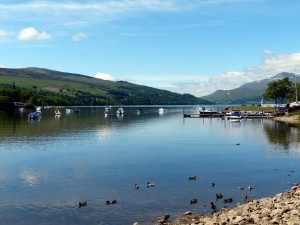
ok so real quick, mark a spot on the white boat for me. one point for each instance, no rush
(162, 110)
(120, 111)
(108, 111)
(207, 112)
(295, 104)
(68, 111)
(38, 109)
(234, 115)
(57, 112)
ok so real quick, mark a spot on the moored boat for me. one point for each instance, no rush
(162, 110)
(58, 113)
(208, 112)
(38, 109)
(34, 115)
(120, 111)
(235, 115)
(108, 111)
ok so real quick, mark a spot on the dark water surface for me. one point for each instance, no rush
(48, 166)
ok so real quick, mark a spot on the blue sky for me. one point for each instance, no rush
(186, 46)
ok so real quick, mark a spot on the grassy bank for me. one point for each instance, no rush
(251, 108)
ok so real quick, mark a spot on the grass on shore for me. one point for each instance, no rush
(251, 108)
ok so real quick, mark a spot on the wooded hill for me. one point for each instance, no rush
(249, 93)
(49, 87)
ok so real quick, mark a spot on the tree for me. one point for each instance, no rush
(6, 103)
(279, 89)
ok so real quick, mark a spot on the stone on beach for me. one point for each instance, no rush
(281, 209)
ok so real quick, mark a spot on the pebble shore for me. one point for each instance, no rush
(288, 119)
(282, 209)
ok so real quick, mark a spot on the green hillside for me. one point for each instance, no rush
(84, 90)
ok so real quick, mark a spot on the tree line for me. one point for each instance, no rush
(280, 90)
(10, 94)
(133, 96)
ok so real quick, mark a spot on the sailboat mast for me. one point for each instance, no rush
(296, 89)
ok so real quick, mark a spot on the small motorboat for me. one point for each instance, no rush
(38, 109)
(108, 111)
(68, 111)
(58, 113)
(162, 111)
(203, 112)
(34, 115)
(120, 111)
(235, 115)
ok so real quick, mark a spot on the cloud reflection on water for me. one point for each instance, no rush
(31, 178)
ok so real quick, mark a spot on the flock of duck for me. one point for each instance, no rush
(220, 195)
(162, 219)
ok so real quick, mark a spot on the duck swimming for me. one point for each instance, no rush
(108, 202)
(194, 201)
(81, 204)
(250, 187)
(228, 200)
(150, 185)
(192, 178)
(219, 196)
(213, 206)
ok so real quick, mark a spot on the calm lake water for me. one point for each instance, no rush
(48, 166)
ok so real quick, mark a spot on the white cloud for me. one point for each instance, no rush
(30, 33)
(224, 81)
(268, 52)
(276, 64)
(230, 80)
(105, 76)
(79, 37)
(4, 33)
(87, 12)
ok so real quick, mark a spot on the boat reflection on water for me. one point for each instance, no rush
(54, 165)
(34, 121)
(162, 111)
(140, 111)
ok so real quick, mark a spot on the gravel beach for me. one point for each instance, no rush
(288, 119)
(282, 209)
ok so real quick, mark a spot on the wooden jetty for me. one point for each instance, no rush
(223, 116)
(197, 115)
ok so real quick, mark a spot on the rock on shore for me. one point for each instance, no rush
(288, 119)
(281, 209)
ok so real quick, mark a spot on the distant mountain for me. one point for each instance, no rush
(92, 90)
(249, 93)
